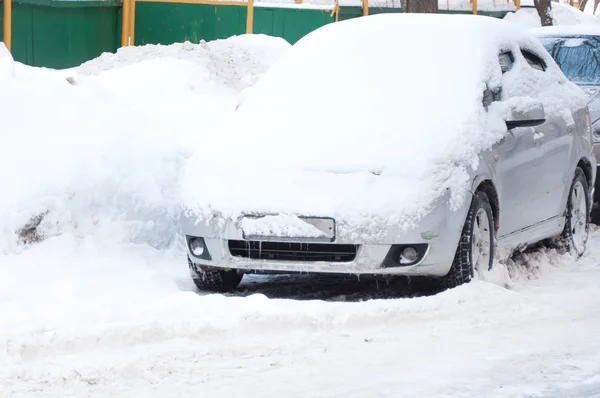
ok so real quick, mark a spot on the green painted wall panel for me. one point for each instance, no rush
(22, 33)
(166, 23)
(355, 12)
(289, 23)
(62, 37)
(65, 37)
(65, 33)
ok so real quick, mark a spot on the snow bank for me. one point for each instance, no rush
(102, 151)
(359, 143)
(236, 62)
(6, 62)
(120, 327)
(562, 14)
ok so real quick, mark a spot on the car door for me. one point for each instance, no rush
(519, 163)
(555, 139)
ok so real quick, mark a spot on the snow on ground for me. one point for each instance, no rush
(562, 14)
(103, 305)
(84, 320)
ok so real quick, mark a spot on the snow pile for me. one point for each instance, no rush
(104, 153)
(74, 331)
(358, 144)
(236, 62)
(562, 14)
(7, 67)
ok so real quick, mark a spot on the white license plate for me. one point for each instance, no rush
(288, 228)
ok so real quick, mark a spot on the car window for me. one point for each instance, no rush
(577, 56)
(506, 60)
(533, 60)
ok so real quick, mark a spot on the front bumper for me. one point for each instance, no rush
(370, 259)
(438, 232)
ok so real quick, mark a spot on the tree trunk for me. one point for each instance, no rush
(582, 5)
(596, 2)
(544, 9)
(430, 6)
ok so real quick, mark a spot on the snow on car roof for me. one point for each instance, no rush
(582, 29)
(398, 95)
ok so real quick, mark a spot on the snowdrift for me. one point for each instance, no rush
(100, 148)
(562, 14)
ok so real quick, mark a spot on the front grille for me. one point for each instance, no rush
(292, 251)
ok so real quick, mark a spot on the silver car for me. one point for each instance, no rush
(576, 50)
(421, 145)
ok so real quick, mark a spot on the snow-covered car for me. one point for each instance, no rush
(410, 144)
(576, 50)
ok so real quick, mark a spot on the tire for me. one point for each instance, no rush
(218, 281)
(479, 223)
(574, 236)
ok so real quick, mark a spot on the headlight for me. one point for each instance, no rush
(596, 131)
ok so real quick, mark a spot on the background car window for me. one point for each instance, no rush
(533, 60)
(577, 57)
(506, 61)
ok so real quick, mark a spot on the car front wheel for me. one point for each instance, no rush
(475, 250)
(574, 237)
(219, 281)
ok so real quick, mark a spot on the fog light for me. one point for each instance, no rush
(197, 247)
(409, 255)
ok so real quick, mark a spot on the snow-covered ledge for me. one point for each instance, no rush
(453, 5)
(300, 4)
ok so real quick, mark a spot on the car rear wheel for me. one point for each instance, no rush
(574, 237)
(475, 250)
(219, 281)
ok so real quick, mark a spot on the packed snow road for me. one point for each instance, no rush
(84, 320)
(96, 299)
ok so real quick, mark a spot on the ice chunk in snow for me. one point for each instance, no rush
(283, 225)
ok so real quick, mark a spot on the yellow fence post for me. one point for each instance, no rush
(250, 16)
(125, 23)
(7, 22)
(365, 7)
(474, 7)
(132, 23)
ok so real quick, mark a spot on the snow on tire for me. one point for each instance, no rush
(574, 237)
(214, 280)
(476, 246)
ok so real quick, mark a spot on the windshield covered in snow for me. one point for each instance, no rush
(578, 57)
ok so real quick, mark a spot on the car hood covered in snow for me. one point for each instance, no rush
(377, 116)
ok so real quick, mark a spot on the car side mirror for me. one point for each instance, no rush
(526, 112)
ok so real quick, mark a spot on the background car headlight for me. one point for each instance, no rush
(596, 131)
